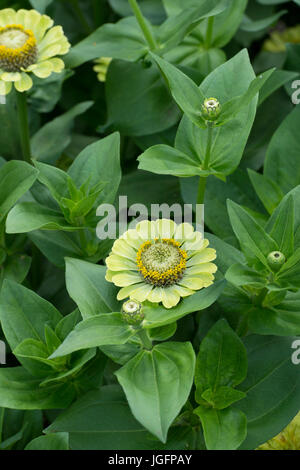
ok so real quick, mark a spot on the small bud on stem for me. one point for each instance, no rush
(275, 260)
(132, 312)
(211, 109)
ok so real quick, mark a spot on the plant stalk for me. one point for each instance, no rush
(209, 32)
(78, 12)
(146, 341)
(202, 179)
(24, 126)
(143, 25)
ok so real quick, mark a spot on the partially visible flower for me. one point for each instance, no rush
(278, 39)
(28, 44)
(132, 312)
(101, 67)
(275, 260)
(160, 261)
(288, 439)
(211, 109)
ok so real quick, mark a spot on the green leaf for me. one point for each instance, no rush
(99, 161)
(157, 384)
(268, 413)
(223, 429)
(282, 155)
(50, 141)
(100, 330)
(184, 91)
(16, 178)
(122, 40)
(28, 216)
(222, 397)
(15, 268)
(253, 26)
(40, 5)
(102, 420)
(242, 275)
(222, 360)
(156, 316)
(277, 80)
(19, 390)
(57, 441)
(281, 226)
(267, 190)
(142, 92)
(87, 286)
(254, 241)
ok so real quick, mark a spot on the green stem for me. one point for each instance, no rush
(146, 341)
(202, 179)
(24, 126)
(209, 32)
(77, 10)
(259, 299)
(143, 25)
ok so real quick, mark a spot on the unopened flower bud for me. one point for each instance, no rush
(275, 260)
(211, 109)
(132, 312)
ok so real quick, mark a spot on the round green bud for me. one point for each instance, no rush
(132, 312)
(211, 109)
(275, 260)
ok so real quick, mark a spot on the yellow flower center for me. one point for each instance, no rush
(161, 262)
(18, 48)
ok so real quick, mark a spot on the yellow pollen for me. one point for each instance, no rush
(18, 48)
(160, 266)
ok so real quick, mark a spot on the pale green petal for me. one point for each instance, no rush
(28, 18)
(195, 283)
(133, 238)
(156, 295)
(10, 76)
(165, 228)
(126, 291)
(53, 43)
(43, 69)
(201, 268)
(182, 291)
(170, 297)
(121, 248)
(25, 83)
(126, 279)
(57, 64)
(5, 87)
(146, 229)
(184, 231)
(141, 292)
(196, 244)
(119, 263)
(109, 275)
(41, 27)
(7, 16)
(209, 254)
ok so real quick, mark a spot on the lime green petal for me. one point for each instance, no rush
(10, 76)
(197, 244)
(202, 268)
(119, 263)
(24, 84)
(209, 254)
(53, 43)
(165, 228)
(121, 248)
(109, 275)
(184, 231)
(57, 64)
(156, 295)
(133, 238)
(44, 23)
(190, 282)
(141, 292)
(28, 18)
(170, 297)
(42, 69)
(182, 291)
(5, 87)
(126, 291)
(7, 16)
(126, 279)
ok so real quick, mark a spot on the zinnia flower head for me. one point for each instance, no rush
(160, 261)
(28, 44)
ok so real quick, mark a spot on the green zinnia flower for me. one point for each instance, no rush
(28, 43)
(101, 67)
(160, 261)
